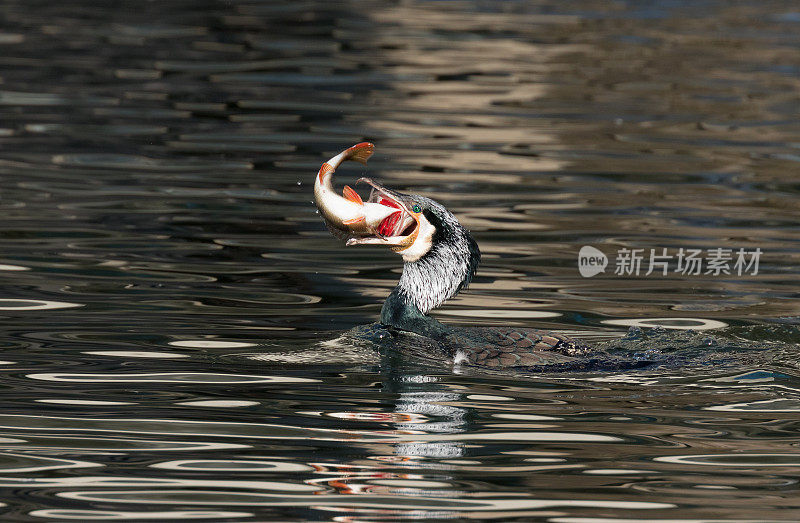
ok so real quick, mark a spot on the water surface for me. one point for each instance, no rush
(168, 289)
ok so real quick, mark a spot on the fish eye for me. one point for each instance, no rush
(416, 208)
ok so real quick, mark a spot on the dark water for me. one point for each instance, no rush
(167, 287)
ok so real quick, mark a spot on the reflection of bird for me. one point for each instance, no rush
(440, 258)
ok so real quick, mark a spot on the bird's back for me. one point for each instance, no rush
(512, 347)
(494, 348)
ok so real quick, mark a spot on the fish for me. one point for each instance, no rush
(383, 215)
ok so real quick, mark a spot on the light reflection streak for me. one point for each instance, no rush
(136, 354)
(677, 520)
(233, 465)
(17, 463)
(34, 305)
(211, 344)
(167, 377)
(735, 460)
(173, 427)
(223, 404)
(774, 405)
(112, 515)
(99, 445)
(228, 498)
(13, 268)
(695, 324)
(84, 402)
(133, 481)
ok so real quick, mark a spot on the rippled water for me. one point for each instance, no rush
(167, 288)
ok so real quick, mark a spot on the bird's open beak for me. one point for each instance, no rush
(383, 219)
(398, 230)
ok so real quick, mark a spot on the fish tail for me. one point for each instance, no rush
(360, 152)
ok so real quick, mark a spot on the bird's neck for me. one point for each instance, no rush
(428, 282)
(400, 312)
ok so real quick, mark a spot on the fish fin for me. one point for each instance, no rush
(325, 169)
(360, 152)
(351, 195)
(354, 221)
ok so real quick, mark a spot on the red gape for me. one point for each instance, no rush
(387, 225)
(389, 203)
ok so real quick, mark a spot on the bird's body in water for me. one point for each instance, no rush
(440, 259)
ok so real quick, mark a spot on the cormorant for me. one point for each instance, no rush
(440, 258)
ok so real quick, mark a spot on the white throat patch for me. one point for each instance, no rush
(437, 274)
(422, 244)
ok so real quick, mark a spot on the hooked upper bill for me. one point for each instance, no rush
(385, 218)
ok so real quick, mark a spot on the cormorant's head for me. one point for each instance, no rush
(410, 229)
(440, 255)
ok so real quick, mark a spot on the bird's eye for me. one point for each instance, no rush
(416, 208)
